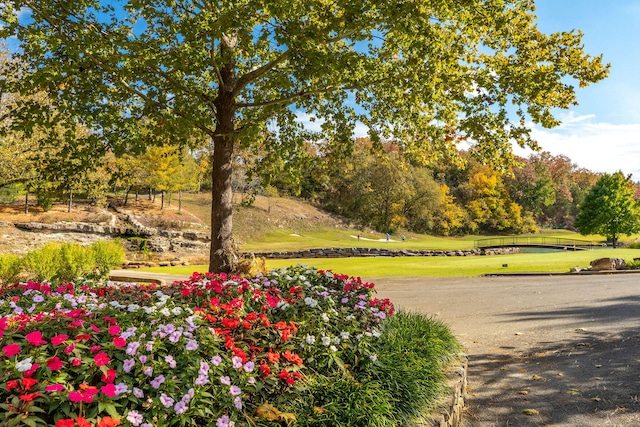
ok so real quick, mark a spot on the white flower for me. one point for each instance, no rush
(310, 302)
(24, 365)
(345, 335)
(373, 357)
(325, 318)
(333, 348)
(310, 339)
(376, 333)
(176, 311)
(326, 341)
(165, 312)
(133, 308)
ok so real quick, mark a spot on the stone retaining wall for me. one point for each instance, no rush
(377, 252)
(449, 412)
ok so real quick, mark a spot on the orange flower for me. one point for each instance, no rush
(108, 422)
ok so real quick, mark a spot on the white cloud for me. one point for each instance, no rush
(598, 146)
(307, 121)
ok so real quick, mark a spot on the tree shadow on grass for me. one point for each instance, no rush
(590, 379)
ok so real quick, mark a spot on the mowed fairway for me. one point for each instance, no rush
(552, 262)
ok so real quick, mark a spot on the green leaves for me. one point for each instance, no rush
(609, 208)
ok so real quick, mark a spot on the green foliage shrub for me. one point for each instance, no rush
(344, 402)
(10, 267)
(74, 261)
(106, 255)
(413, 350)
(45, 201)
(43, 263)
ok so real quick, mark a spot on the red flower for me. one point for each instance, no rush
(82, 422)
(35, 338)
(230, 323)
(292, 357)
(27, 383)
(101, 359)
(54, 387)
(76, 362)
(54, 363)
(29, 397)
(266, 370)
(11, 384)
(68, 349)
(95, 328)
(83, 337)
(11, 350)
(31, 371)
(114, 330)
(119, 342)
(95, 348)
(109, 377)
(59, 339)
(283, 374)
(65, 423)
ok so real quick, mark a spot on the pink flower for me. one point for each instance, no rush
(59, 339)
(11, 350)
(35, 338)
(75, 396)
(101, 359)
(109, 390)
(76, 362)
(119, 342)
(114, 330)
(54, 387)
(95, 328)
(54, 363)
(68, 349)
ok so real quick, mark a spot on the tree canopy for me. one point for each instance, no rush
(609, 208)
(424, 74)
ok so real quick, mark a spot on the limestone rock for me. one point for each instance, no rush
(607, 264)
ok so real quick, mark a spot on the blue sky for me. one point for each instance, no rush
(603, 132)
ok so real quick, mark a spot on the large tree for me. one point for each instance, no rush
(609, 208)
(427, 74)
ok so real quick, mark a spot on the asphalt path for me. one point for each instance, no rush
(543, 350)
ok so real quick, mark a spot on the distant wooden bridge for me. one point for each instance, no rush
(536, 242)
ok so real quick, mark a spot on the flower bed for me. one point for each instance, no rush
(213, 350)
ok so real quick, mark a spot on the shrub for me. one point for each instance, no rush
(45, 200)
(412, 351)
(43, 263)
(106, 254)
(10, 267)
(74, 261)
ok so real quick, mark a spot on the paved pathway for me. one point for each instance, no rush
(565, 349)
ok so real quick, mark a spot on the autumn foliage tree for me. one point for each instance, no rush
(425, 74)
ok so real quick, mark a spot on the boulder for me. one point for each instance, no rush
(607, 264)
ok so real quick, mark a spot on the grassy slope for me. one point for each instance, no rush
(279, 224)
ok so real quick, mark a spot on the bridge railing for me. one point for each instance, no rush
(493, 242)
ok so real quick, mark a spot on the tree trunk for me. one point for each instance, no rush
(70, 200)
(162, 200)
(136, 196)
(26, 203)
(149, 193)
(180, 201)
(223, 256)
(126, 196)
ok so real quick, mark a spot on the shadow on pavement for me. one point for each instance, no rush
(591, 379)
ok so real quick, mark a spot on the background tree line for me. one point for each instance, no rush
(387, 192)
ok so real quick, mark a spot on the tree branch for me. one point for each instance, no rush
(259, 72)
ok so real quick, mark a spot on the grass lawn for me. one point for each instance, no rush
(551, 262)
